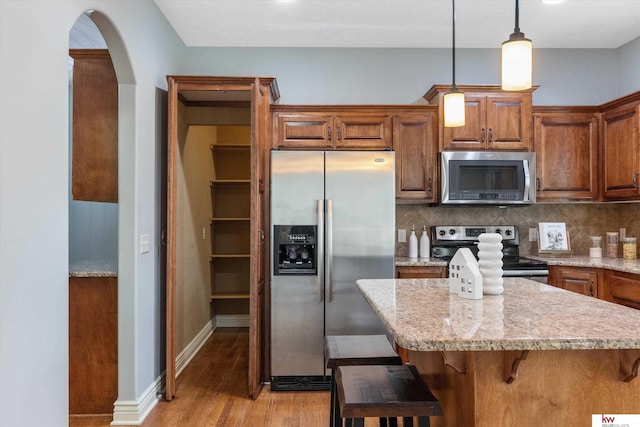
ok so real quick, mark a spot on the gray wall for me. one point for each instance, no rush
(402, 76)
(629, 67)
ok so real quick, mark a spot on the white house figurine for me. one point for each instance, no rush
(464, 274)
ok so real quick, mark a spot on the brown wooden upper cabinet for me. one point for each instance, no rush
(565, 141)
(95, 126)
(621, 148)
(414, 141)
(494, 119)
(331, 127)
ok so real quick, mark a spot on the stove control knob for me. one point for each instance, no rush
(441, 232)
(497, 230)
(508, 232)
(452, 231)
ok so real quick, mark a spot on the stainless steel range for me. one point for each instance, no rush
(447, 239)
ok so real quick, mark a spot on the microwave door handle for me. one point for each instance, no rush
(527, 180)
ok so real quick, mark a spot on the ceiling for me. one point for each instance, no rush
(401, 23)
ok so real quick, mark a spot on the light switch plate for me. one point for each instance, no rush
(144, 243)
(402, 235)
(533, 235)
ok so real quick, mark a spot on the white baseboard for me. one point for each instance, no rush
(133, 412)
(185, 356)
(231, 321)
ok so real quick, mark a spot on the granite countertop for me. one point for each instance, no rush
(405, 261)
(93, 268)
(618, 264)
(422, 315)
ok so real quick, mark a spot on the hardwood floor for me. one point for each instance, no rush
(212, 391)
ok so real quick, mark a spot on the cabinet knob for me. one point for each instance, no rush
(635, 180)
(538, 184)
(591, 287)
(490, 134)
(339, 134)
(329, 133)
(430, 185)
(484, 135)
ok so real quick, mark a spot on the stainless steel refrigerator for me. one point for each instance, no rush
(332, 223)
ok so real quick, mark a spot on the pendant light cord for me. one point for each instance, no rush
(517, 27)
(453, 50)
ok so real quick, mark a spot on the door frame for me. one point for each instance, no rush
(264, 91)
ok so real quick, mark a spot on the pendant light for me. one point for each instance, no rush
(516, 59)
(453, 100)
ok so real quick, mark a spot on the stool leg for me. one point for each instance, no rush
(424, 422)
(333, 415)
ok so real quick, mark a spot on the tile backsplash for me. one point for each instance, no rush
(583, 220)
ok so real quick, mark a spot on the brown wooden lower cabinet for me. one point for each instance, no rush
(622, 288)
(93, 344)
(577, 279)
(609, 285)
(421, 272)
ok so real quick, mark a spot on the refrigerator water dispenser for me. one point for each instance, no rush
(294, 250)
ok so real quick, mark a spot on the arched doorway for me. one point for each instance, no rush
(97, 225)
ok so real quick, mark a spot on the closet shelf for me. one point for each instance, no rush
(230, 295)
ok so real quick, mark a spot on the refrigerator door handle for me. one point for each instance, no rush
(329, 246)
(320, 250)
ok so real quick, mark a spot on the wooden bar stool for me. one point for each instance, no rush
(384, 392)
(349, 350)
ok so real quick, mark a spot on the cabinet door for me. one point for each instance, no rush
(566, 147)
(415, 147)
(622, 288)
(580, 280)
(303, 130)
(620, 153)
(420, 272)
(95, 126)
(363, 132)
(470, 136)
(508, 123)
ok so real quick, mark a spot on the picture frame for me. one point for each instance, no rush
(553, 239)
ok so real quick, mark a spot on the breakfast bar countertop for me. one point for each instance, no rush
(422, 315)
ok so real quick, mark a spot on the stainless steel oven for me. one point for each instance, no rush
(447, 239)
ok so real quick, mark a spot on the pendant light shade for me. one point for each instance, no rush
(453, 100)
(453, 107)
(517, 59)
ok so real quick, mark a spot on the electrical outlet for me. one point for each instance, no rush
(402, 235)
(533, 234)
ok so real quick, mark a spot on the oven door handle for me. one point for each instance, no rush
(524, 273)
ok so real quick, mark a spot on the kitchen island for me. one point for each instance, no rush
(535, 355)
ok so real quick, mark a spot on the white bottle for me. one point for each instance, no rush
(425, 244)
(413, 244)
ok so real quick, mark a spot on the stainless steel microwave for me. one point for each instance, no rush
(488, 177)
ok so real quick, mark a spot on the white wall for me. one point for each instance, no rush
(34, 39)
